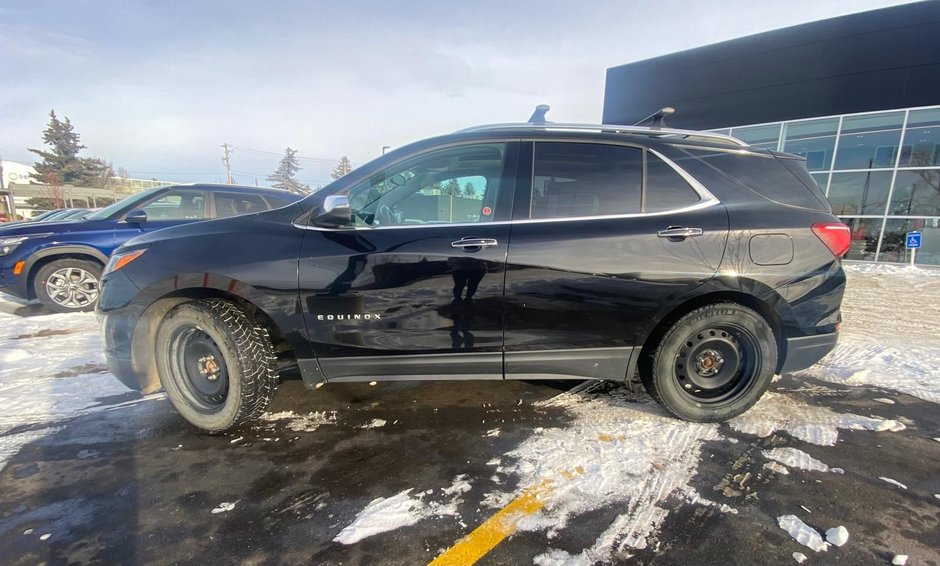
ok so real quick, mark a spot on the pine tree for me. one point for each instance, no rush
(61, 164)
(469, 190)
(451, 187)
(285, 176)
(343, 167)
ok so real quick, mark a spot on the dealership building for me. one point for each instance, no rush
(858, 96)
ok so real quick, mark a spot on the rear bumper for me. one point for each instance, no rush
(805, 351)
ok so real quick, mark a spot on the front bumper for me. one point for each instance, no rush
(805, 351)
(11, 284)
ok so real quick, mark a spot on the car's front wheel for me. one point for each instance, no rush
(217, 366)
(68, 285)
(713, 364)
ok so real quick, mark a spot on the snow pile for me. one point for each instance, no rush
(385, 514)
(382, 515)
(809, 423)
(795, 458)
(837, 536)
(889, 269)
(899, 560)
(905, 368)
(885, 341)
(801, 532)
(619, 449)
(799, 557)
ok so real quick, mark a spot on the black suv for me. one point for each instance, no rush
(527, 251)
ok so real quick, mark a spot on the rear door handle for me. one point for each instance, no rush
(676, 233)
(474, 243)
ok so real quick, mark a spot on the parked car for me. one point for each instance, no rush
(74, 214)
(529, 251)
(21, 220)
(60, 261)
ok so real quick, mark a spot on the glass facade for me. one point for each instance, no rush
(880, 171)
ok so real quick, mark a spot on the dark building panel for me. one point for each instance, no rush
(888, 58)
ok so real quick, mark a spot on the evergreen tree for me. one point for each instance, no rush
(469, 190)
(451, 187)
(61, 164)
(343, 167)
(285, 176)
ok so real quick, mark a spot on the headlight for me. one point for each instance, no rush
(7, 245)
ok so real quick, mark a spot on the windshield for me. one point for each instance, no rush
(110, 210)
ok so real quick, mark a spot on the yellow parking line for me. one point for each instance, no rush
(484, 538)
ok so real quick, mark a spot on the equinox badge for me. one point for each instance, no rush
(367, 316)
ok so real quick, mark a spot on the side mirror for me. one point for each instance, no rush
(336, 212)
(136, 217)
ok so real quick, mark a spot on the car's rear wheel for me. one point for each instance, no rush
(713, 364)
(68, 285)
(217, 366)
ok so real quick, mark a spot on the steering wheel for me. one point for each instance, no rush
(385, 216)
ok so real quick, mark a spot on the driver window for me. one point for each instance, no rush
(454, 185)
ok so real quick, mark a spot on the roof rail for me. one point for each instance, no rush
(613, 128)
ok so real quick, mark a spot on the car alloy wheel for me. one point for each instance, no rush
(72, 288)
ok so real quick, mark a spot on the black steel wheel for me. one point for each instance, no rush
(712, 364)
(217, 366)
(198, 364)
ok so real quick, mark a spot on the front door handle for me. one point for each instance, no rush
(474, 243)
(678, 233)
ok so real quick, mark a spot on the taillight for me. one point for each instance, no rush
(835, 235)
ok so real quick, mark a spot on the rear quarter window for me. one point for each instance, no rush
(771, 177)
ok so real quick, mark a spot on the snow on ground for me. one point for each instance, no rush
(889, 335)
(385, 514)
(796, 458)
(302, 423)
(802, 533)
(51, 369)
(809, 423)
(619, 450)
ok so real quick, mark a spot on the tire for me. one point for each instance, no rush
(212, 338)
(732, 356)
(68, 285)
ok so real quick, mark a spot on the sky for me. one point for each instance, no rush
(157, 88)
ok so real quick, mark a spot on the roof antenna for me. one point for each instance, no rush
(538, 117)
(657, 119)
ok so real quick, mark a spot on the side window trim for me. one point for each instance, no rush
(524, 215)
(644, 181)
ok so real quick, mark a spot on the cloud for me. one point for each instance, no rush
(161, 87)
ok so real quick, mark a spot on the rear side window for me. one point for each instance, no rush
(583, 179)
(665, 188)
(277, 202)
(177, 204)
(233, 204)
